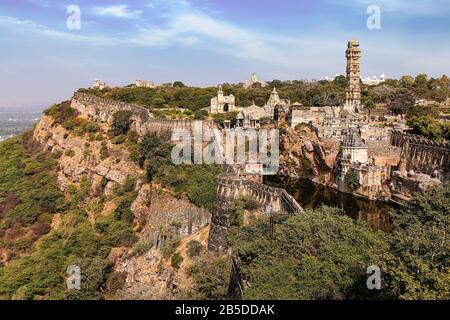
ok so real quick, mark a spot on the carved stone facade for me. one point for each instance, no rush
(222, 104)
(422, 157)
(299, 113)
(251, 117)
(353, 88)
(274, 102)
(354, 156)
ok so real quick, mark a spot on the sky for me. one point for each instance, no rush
(45, 57)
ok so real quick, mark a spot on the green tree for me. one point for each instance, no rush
(211, 277)
(400, 101)
(121, 122)
(428, 127)
(418, 267)
(352, 179)
(317, 255)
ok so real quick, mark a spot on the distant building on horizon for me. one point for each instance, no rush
(145, 84)
(374, 81)
(100, 85)
(254, 79)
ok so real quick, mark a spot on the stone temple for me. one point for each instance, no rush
(222, 104)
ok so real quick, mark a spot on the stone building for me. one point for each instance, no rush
(353, 147)
(354, 156)
(145, 84)
(254, 79)
(252, 117)
(374, 81)
(353, 88)
(99, 84)
(222, 104)
(298, 113)
(274, 101)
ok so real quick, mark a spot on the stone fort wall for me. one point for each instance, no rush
(422, 155)
(103, 110)
(232, 187)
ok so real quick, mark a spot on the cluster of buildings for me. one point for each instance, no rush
(346, 123)
(100, 85)
(328, 121)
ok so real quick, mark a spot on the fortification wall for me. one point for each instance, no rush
(232, 187)
(423, 156)
(143, 121)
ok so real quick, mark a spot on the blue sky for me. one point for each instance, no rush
(206, 42)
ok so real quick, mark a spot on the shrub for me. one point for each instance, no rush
(70, 153)
(352, 179)
(194, 248)
(170, 247)
(250, 203)
(119, 139)
(116, 281)
(177, 260)
(121, 234)
(142, 246)
(211, 277)
(121, 123)
(132, 137)
(123, 211)
(104, 152)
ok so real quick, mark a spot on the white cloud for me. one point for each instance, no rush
(118, 11)
(30, 26)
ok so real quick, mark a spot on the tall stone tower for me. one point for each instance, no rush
(353, 89)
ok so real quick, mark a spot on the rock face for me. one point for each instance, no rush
(165, 217)
(151, 277)
(80, 157)
(159, 216)
(302, 155)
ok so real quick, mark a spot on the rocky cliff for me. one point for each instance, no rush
(159, 216)
(302, 155)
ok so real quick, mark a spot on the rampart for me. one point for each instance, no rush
(232, 187)
(422, 156)
(103, 110)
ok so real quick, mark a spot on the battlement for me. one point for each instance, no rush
(230, 188)
(422, 156)
(144, 121)
(399, 138)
